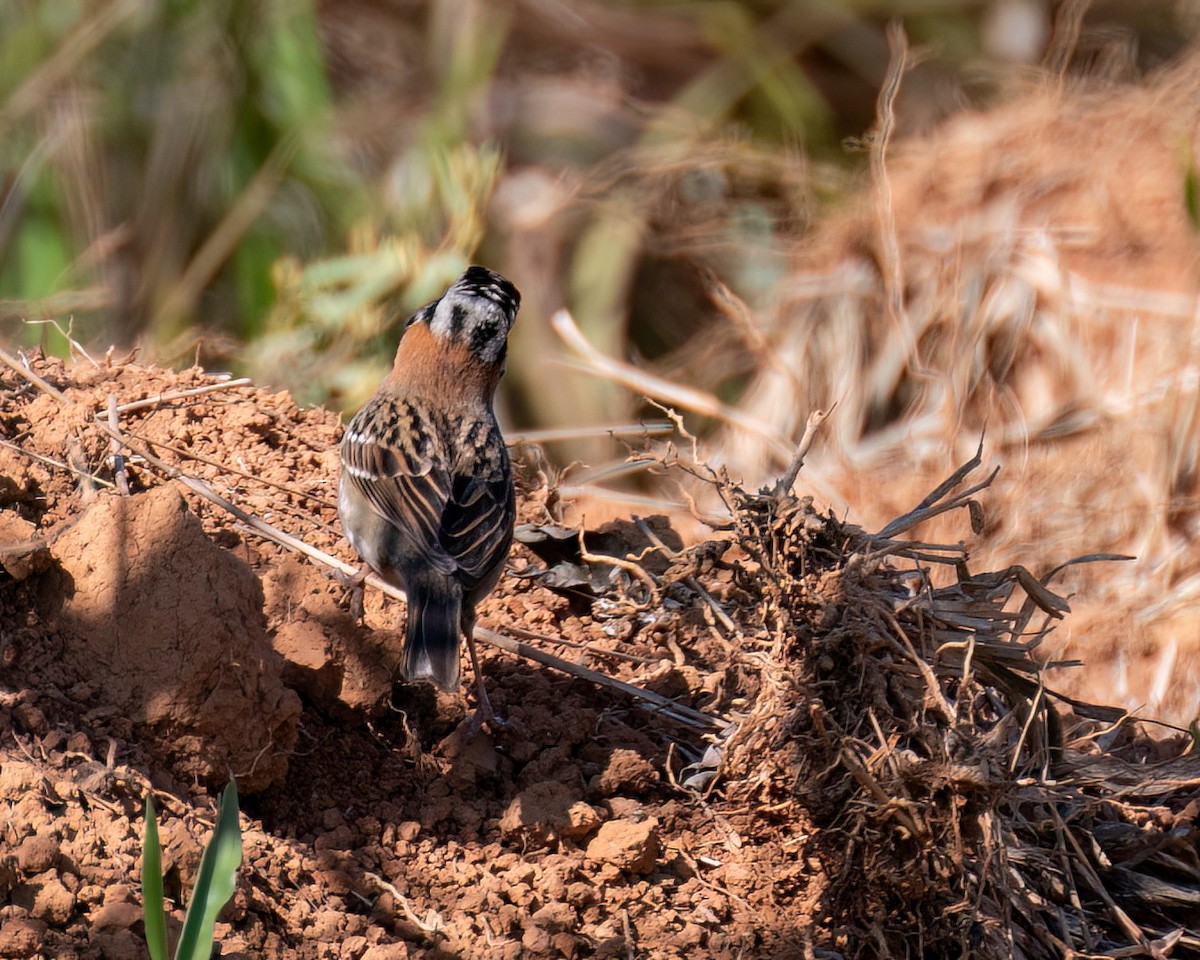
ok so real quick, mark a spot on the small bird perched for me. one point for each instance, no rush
(426, 493)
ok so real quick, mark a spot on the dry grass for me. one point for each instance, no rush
(961, 806)
(1029, 275)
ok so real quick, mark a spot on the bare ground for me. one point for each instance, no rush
(150, 640)
(886, 775)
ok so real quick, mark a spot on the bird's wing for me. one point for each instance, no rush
(478, 521)
(392, 456)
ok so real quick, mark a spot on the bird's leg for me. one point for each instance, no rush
(484, 712)
(354, 583)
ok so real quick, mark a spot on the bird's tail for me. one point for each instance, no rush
(431, 641)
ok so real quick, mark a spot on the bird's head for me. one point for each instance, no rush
(476, 312)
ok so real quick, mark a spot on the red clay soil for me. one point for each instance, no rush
(890, 781)
(153, 641)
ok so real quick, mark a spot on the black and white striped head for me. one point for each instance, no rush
(477, 312)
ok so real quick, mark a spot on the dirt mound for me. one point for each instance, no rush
(170, 626)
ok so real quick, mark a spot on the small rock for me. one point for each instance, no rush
(324, 925)
(739, 874)
(625, 770)
(625, 808)
(521, 874)
(554, 887)
(692, 935)
(581, 894)
(582, 819)
(90, 893)
(117, 915)
(333, 818)
(23, 553)
(555, 917)
(120, 945)
(18, 779)
(37, 854)
(387, 951)
(120, 893)
(78, 742)
(566, 945)
(338, 882)
(631, 846)
(508, 950)
(610, 948)
(507, 920)
(21, 938)
(409, 830)
(547, 811)
(536, 940)
(339, 838)
(53, 903)
(235, 947)
(472, 754)
(31, 718)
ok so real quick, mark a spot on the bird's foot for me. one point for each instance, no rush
(485, 716)
(354, 584)
(484, 713)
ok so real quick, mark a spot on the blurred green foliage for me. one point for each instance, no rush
(331, 333)
(171, 167)
(158, 157)
(287, 182)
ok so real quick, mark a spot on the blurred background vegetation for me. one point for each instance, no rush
(272, 186)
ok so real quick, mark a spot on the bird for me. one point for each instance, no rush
(425, 490)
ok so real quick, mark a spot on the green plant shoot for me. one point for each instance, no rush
(215, 883)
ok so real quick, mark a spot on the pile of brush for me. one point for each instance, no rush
(959, 805)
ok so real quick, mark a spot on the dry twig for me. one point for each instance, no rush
(657, 388)
(114, 424)
(14, 364)
(172, 395)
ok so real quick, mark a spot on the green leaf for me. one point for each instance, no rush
(1191, 184)
(152, 887)
(291, 66)
(215, 882)
(1191, 196)
(43, 252)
